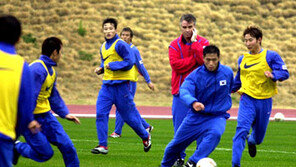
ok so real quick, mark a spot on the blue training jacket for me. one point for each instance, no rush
(39, 74)
(275, 62)
(139, 63)
(123, 50)
(212, 89)
(25, 103)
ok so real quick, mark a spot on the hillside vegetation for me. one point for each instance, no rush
(156, 24)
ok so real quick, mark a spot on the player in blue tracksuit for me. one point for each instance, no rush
(256, 79)
(207, 92)
(47, 98)
(127, 35)
(117, 64)
(16, 103)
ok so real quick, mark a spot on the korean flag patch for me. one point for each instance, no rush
(222, 82)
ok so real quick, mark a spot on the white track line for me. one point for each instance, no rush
(160, 117)
(218, 149)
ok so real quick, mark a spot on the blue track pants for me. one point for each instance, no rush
(38, 145)
(119, 122)
(205, 129)
(253, 113)
(120, 95)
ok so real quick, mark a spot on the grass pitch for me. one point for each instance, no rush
(277, 150)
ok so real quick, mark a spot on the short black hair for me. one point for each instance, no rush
(10, 29)
(129, 30)
(211, 49)
(189, 18)
(50, 44)
(110, 20)
(253, 31)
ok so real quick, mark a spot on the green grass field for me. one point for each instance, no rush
(277, 150)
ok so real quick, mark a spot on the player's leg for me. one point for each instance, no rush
(179, 111)
(212, 129)
(57, 136)
(104, 104)
(119, 122)
(246, 116)
(6, 153)
(185, 135)
(127, 109)
(37, 147)
(259, 127)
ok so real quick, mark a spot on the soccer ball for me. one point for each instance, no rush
(279, 117)
(206, 162)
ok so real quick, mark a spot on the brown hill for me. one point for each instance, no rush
(156, 24)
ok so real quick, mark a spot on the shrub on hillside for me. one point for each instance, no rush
(28, 38)
(85, 56)
(81, 30)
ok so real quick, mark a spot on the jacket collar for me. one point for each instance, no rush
(47, 61)
(8, 48)
(109, 41)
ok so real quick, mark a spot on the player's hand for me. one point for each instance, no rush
(268, 74)
(151, 86)
(98, 70)
(194, 35)
(34, 127)
(197, 106)
(107, 67)
(72, 118)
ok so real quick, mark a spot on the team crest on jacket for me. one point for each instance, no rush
(222, 82)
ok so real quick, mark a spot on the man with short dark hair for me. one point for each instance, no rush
(47, 98)
(16, 104)
(206, 91)
(255, 80)
(117, 64)
(185, 54)
(127, 35)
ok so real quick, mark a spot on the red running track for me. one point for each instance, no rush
(160, 112)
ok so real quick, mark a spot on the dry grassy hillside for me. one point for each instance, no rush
(155, 24)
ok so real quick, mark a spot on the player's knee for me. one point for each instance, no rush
(46, 155)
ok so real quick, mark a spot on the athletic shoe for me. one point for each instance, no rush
(252, 148)
(100, 150)
(147, 144)
(16, 154)
(190, 164)
(115, 135)
(179, 162)
(149, 129)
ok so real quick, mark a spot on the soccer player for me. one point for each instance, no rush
(16, 104)
(117, 64)
(127, 35)
(185, 54)
(206, 91)
(47, 98)
(256, 79)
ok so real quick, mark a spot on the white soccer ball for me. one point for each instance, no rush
(279, 117)
(206, 162)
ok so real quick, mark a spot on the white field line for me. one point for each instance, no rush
(161, 117)
(217, 149)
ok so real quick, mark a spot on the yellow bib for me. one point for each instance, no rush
(11, 68)
(43, 104)
(110, 55)
(254, 82)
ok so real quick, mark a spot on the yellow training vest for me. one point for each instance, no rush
(11, 68)
(43, 104)
(254, 82)
(110, 55)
